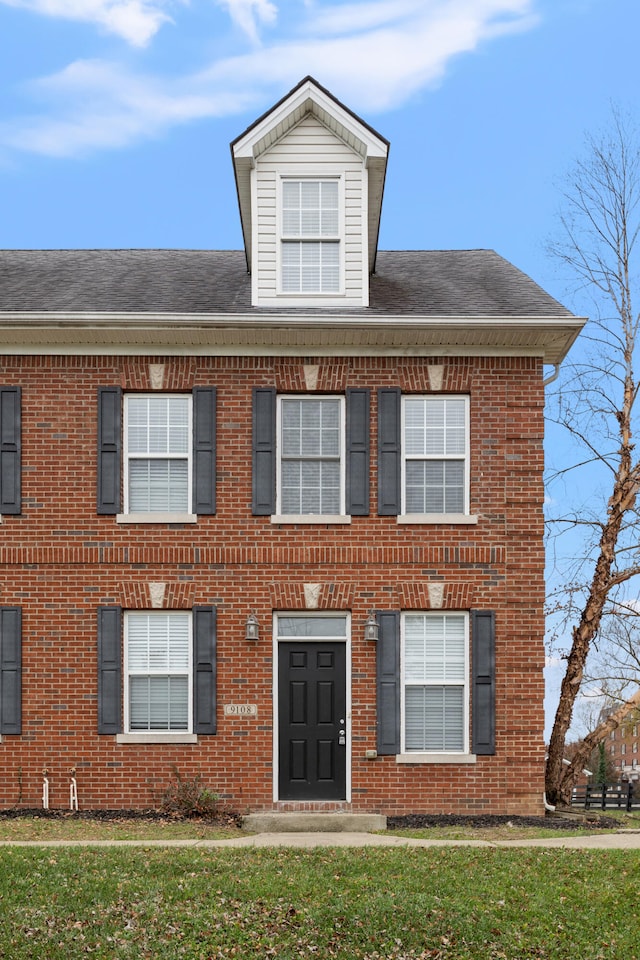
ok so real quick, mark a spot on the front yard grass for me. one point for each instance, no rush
(355, 904)
(72, 827)
(68, 826)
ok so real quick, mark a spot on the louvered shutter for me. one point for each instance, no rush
(483, 692)
(389, 448)
(358, 452)
(388, 682)
(10, 442)
(109, 449)
(204, 670)
(204, 450)
(10, 670)
(264, 451)
(109, 670)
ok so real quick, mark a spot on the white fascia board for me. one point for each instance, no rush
(298, 319)
(373, 146)
(286, 334)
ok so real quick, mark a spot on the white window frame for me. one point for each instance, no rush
(336, 239)
(154, 736)
(442, 756)
(129, 516)
(341, 516)
(465, 458)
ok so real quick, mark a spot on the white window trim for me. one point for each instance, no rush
(459, 758)
(299, 298)
(459, 518)
(312, 518)
(156, 736)
(279, 516)
(276, 639)
(436, 756)
(156, 516)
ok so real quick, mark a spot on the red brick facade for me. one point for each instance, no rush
(60, 561)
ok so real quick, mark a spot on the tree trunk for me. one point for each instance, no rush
(622, 499)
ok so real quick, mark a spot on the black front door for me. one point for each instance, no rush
(312, 742)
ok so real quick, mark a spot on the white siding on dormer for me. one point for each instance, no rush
(310, 150)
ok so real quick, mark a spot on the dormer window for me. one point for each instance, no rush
(310, 250)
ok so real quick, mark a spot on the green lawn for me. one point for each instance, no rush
(358, 904)
(75, 828)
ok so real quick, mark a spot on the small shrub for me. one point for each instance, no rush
(188, 797)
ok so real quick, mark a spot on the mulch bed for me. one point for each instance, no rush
(413, 821)
(420, 821)
(222, 819)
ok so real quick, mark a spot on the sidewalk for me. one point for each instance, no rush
(622, 840)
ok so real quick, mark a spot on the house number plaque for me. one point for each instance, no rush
(240, 710)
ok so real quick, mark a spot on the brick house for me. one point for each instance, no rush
(622, 747)
(274, 517)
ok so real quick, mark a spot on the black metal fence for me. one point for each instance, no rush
(612, 796)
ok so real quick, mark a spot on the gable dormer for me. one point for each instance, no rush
(310, 179)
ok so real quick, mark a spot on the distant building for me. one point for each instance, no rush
(622, 748)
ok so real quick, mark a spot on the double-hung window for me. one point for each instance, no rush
(158, 686)
(311, 462)
(310, 245)
(435, 687)
(435, 455)
(157, 454)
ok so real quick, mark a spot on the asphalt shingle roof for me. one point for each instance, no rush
(431, 283)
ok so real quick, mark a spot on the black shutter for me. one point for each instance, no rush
(484, 687)
(389, 451)
(388, 685)
(358, 452)
(204, 670)
(264, 451)
(109, 670)
(10, 450)
(109, 448)
(10, 670)
(204, 450)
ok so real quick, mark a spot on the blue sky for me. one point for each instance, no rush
(116, 115)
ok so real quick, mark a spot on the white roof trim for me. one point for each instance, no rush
(285, 334)
(299, 103)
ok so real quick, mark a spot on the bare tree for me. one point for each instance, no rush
(596, 403)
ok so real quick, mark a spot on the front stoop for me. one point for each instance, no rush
(314, 822)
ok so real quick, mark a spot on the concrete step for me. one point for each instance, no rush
(314, 822)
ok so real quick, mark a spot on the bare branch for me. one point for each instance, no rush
(595, 403)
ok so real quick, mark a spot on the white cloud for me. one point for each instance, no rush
(404, 46)
(247, 14)
(373, 55)
(107, 106)
(136, 21)
(552, 663)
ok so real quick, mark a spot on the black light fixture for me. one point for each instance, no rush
(371, 627)
(252, 628)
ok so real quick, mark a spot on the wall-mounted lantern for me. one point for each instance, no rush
(371, 627)
(252, 628)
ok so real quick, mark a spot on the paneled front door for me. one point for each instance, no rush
(312, 733)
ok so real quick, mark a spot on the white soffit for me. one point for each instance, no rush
(335, 335)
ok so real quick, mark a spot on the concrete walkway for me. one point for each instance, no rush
(622, 840)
